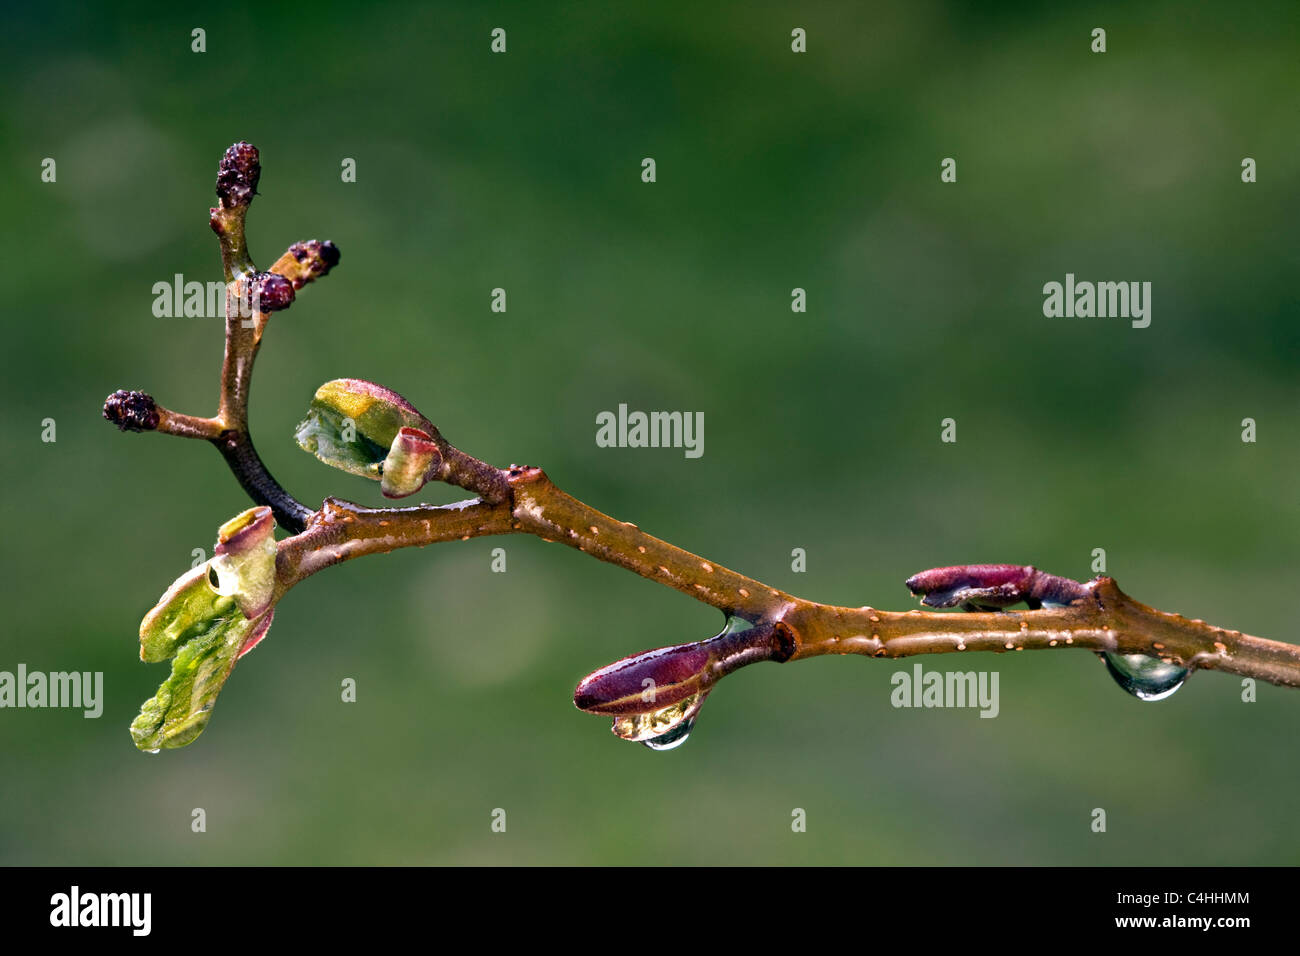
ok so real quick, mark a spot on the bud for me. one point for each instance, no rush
(351, 425)
(131, 411)
(655, 697)
(270, 292)
(410, 459)
(993, 586)
(306, 261)
(244, 564)
(237, 175)
(674, 674)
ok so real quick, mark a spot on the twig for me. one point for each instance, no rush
(250, 298)
(1101, 617)
(768, 624)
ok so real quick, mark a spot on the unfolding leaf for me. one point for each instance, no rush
(177, 714)
(209, 618)
(184, 612)
(351, 425)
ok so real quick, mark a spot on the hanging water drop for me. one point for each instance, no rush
(661, 729)
(674, 738)
(1145, 677)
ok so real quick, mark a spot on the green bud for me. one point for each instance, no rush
(244, 565)
(351, 425)
(410, 459)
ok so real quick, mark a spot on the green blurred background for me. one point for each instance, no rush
(775, 170)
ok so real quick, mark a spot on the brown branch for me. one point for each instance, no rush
(1062, 613)
(1102, 618)
(250, 299)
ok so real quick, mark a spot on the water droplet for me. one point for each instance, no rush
(661, 729)
(674, 738)
(1145, 677)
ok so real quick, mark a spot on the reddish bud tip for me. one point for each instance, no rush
(131, 411)
(245, 531)
(238, 174)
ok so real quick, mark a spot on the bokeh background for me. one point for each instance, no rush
(775, 170)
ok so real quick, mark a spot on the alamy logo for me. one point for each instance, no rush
(75, 908)
(55, 689)
(1121, 300)
(653, 430)
(179, 299)
(946, 689)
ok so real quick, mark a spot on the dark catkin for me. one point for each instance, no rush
(238, 174)
(132, 411)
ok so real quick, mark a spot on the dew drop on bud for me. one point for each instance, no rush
(1145, 677)
(673, 738)
(661, 729)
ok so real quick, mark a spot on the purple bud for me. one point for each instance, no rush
(271, 293)
(655, 679)
(993, 586)
(132, 411)
(673, 673)
(237, 175)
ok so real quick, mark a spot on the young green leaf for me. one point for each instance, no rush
(208, 619)
(177, 714)
(351, 425)
(182, 613)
